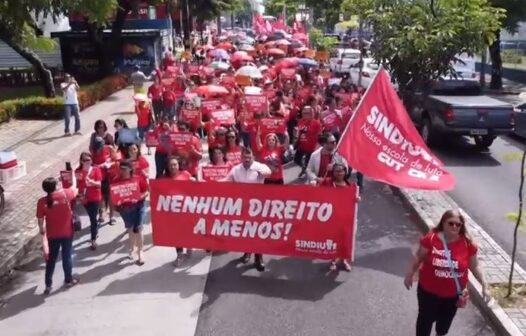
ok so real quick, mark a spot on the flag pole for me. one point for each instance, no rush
(357, 107)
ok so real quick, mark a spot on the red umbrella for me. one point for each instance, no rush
(287, 63)
(210, 90)
(241, 56)
(275, 52)
(225, 46)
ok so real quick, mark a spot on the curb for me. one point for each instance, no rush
(502, 324)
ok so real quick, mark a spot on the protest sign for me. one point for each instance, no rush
(257, 104)
(215, 173)
(151, 139)
(292, 220)
(125, 192)
(223, 117)
(272, 125)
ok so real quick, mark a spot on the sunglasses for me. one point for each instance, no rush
(454, 224)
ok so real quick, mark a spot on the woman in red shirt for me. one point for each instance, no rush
(337, 179)
(271, 154)
(55, 222)
(134, 211)
(144, 118)
(155, 93)
(163, 149)
(442, 279)
(232, 148)
(174, 173)
(306, 133)
(141, 167)
(89, 182)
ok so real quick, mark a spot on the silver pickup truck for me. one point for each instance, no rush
(457, 107)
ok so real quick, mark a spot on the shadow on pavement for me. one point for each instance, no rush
(382, 260)
(123, 113)
(460, 152)
(45, 141)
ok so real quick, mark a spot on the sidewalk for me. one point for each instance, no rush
(45, 150)
(495, 262)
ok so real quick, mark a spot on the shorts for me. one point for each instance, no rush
(133, 216)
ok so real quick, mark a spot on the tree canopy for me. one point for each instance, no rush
(420, 45)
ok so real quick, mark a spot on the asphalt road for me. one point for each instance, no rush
(215, 296)
(299, 297)
(487, 186)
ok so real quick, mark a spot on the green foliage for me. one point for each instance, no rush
(511, 57)
(53, 108)
(513, 217)
(320, 42)
(420, 45)
(325, 13)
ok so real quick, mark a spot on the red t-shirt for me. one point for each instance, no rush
(183, 176)
(140, 167)
(273, 159)
(91, 194)
(164, 139)
(143, 186)
(435, 274)
(100, 157)
(193, 162)
(233, 155)
(143, 116)
(325, 160)
(308, 134)
(169, 98)
(59, 217)
(156, 92)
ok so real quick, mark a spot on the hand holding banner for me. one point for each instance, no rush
(381, 142)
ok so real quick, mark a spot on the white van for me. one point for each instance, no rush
(464, 68)
(343, 60)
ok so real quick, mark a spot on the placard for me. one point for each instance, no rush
(125, 192)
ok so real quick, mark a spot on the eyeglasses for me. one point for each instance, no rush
(454, 224)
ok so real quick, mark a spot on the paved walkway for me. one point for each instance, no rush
(45, 150)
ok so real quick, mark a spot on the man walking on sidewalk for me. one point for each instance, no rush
(249, 171)
(71, 103)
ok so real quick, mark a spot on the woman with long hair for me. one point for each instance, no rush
(141, 166)
(133, 212)
(174, 172)
(89, 183)
(100, 129)
(217, 168)
(444, 257)
(55, 218)
(337, 179)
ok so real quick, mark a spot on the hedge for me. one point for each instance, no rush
(52, 108)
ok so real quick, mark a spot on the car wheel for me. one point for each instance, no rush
(484, 141)
(426, 131)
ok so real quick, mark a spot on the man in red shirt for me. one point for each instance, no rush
(306, 134)
(155, 93)
(55, 223)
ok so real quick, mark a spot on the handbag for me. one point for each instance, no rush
(463, 296)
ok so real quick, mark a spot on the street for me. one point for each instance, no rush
(216, 296)
(487, 186)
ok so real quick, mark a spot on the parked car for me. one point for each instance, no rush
(464, 69)
(520, 120)
(369, 70)
(457, 107)
(344, 59)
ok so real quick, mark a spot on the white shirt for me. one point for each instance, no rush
(70, 94)
(255, 174)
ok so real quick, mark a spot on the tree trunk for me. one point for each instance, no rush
(517, 225)
(46, 78)
(496, 64)
(232, 18)
(96, 36)
(186, 25)
(219, 25)
(115, 45)
(483, 61)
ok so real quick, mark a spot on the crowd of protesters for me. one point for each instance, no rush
(299, 118)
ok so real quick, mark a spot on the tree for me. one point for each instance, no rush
(515, 12)
(18, 29)
(419, 46)
(325, 13)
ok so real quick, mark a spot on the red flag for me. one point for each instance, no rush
(381, 142)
